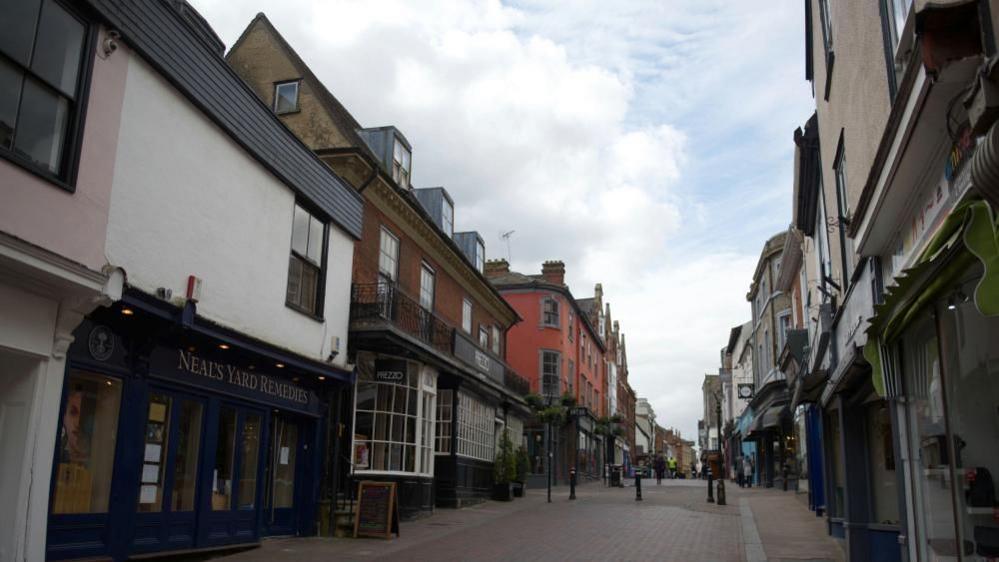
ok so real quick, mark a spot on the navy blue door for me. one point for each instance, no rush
(285, 461)
(231, 505)
(166, 510)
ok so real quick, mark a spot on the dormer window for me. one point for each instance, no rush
(447, 217)
(401, 164)
(286, 97)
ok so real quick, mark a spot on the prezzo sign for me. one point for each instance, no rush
(470, 353)
(199, 370)
(390, 370)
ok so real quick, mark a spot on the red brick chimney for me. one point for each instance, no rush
(553, 272)
(495, 268)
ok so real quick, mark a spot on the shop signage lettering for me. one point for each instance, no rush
(390, 370)
(482, 360)
(466, 350)
(233, 375)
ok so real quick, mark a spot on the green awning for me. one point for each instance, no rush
(968, 232)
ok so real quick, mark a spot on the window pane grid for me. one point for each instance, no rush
(475, 428)
(388, 255)
(444, 420)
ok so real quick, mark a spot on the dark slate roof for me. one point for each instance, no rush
(186, 57)
(586, 305)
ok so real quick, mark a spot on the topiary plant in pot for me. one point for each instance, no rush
(504, 469)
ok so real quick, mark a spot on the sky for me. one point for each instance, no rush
(647, 144)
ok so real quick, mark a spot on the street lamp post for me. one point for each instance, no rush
(721, 453)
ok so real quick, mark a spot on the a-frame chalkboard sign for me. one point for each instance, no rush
(377, 510)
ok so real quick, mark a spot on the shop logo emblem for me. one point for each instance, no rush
(101, 343)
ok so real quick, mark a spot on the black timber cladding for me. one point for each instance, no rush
(158, 32)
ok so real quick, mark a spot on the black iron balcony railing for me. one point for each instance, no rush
(516, 383)
(382, 301)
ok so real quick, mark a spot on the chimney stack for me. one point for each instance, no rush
(553, 272)
(495, 268)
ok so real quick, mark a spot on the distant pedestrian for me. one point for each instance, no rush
(660, 467)
(672, 467)
(747, 468)
(693, 470)
(740, 472)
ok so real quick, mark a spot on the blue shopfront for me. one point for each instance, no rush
(177, 435)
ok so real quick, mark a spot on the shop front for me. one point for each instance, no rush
(396, 405)
(174, 438)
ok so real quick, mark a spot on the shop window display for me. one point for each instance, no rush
(87, 437)
(884, 489)
(394, 420)
(476, 431)
(969, 344)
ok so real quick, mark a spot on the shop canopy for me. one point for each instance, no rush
(968, 233)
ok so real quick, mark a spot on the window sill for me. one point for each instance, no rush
(36, 170)
(304, 312)
(283, 113)
(551, 326)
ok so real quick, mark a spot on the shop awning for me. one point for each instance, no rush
(968, 232)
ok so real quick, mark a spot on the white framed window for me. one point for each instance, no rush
(571, 325)
(427, 278)
(550, 313)
(305, 267)
(551, 373)
(388, 255)
(483, 337)
(394, 421)
(496, 340)
(447, 216)
(826, 18)
(572, 377)
(445, 419)
(286, 97)
(476, 435)
(843, 208)
(401, 164)
(466, 316)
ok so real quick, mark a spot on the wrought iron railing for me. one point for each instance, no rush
(382, 301)
(516, 383)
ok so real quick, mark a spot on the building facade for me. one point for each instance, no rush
(559, 352)
(428, 331)
(191, 408)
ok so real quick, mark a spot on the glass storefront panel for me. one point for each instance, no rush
(801, 438)
(87, 438)
(932, 470)
(224, 453)
(836, 462)
(394, 427)
(970, 343)
(154, 453)
(884, 487)
(250, 461)
(185, 468)
(286, 449)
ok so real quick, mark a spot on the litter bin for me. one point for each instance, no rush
(615, 475)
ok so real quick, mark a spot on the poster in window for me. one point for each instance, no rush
(361, 455)
(154, 433)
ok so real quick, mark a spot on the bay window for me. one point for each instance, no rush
(394, 418)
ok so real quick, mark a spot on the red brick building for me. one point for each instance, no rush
(559, 350)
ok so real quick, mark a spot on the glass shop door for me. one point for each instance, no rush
(232, 482)
(284, 459)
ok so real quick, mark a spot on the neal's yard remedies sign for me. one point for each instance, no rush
(218, 375)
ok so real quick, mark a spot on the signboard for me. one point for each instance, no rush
(377, 512)
(215, 373)
(470, 353)
(390, 370)
(745, 391)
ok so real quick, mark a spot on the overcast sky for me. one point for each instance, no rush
(647, 144)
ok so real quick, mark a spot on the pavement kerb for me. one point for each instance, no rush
(750, 535)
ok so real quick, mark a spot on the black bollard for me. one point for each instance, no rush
(572, 484)
(638, 486)
(711, 487)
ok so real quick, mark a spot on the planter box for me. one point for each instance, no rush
(518, 489)
(503, 492)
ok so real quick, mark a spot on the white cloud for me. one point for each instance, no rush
(628, 139)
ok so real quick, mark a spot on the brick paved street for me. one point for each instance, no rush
(672, 523)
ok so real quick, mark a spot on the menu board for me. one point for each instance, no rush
(377, 510)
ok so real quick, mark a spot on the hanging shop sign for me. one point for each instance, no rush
(216, 374)
(390, 370)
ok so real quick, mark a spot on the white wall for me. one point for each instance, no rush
(187, 200)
